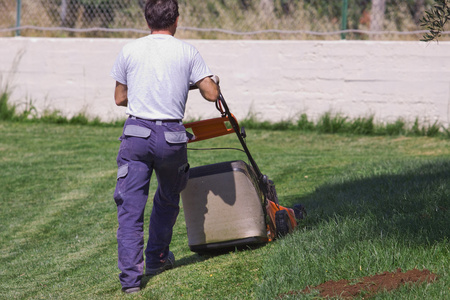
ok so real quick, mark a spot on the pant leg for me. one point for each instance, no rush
(171, 169)
(131, 196)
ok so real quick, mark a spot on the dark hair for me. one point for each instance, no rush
(161, 14)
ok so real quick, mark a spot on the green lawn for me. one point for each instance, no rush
(374, 204)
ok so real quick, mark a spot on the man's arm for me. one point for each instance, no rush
(209, 88)
(121, 94)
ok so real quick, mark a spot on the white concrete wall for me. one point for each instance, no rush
(274, 80)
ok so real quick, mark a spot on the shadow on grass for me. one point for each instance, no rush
(412, 201)
(201, 257)
(194, 258)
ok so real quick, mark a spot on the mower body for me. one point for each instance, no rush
(223, 207)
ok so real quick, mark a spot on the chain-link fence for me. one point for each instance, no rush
(221, 19)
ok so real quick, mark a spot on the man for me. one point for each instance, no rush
(153, 76)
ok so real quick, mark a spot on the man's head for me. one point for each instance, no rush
(161, 14)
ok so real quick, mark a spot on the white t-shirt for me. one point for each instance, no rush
(158, 70)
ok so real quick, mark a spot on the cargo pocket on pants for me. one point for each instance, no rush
(177, 141)
(182, 178)
(137, 131)
(122, 172)
(176, 137)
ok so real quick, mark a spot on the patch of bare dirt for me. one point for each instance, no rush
(367, 286)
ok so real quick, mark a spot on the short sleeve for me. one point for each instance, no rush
(199, 69)
(118, 71)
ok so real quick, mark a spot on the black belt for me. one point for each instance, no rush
(157, 121)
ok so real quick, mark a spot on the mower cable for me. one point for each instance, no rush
(207, 149)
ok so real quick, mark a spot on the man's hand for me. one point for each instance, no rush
(121, 94)
(209, 88)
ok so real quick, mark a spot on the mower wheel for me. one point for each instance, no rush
(282, 223)
(300, 211)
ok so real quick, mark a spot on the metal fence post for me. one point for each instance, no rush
(19, 8)
(344, 18)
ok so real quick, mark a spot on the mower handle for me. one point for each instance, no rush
(222, 107)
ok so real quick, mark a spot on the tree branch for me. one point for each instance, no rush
(435, 20)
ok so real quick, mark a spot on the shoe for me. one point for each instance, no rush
(131, 290)
(168, 264)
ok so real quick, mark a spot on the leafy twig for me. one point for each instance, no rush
(435, 20)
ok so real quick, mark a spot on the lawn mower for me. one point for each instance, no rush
(231, 204)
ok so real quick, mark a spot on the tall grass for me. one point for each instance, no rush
(337, 123)
(7, 112)
(28, 113)
(327, 123)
